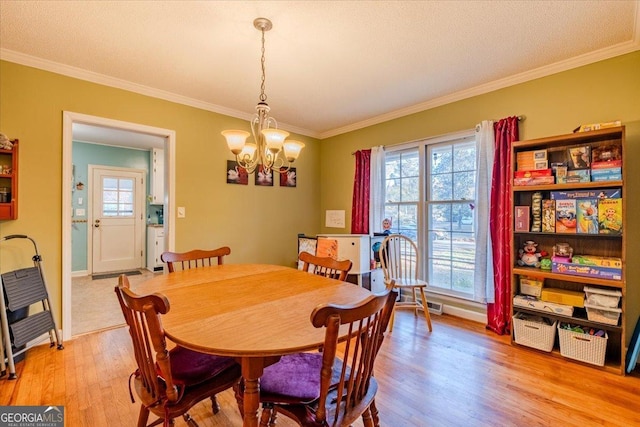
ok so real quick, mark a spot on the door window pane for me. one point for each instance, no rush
(118, 197)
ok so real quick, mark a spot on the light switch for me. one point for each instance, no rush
(181, 212)
(80, 212)
(80, 200)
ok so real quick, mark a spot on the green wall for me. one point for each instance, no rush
(260, 224)
(554, 105)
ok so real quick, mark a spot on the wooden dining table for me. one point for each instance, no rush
(252, 312)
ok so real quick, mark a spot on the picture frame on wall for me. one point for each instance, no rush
(236, 174)
(263, 178)
(289, 178)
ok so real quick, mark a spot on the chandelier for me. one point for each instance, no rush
(270, 148)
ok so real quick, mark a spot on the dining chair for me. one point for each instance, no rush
(169, 382)
(336, 386)
(195, 258)
(325, 266)
(400, 261)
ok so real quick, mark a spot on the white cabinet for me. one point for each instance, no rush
(377, 280)
(157, 176)
(354, 247)
(155, 247)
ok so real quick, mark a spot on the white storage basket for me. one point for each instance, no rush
(583, 347)
(534, 334)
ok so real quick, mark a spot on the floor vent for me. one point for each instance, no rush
(434, 307)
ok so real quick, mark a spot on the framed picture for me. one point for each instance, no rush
(289, 178)
(263, 178)
(236, 174)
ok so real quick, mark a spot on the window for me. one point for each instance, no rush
(117, 197)
(402, 191)
(450, 202)
(430, 196)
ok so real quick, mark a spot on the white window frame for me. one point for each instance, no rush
(422, 226)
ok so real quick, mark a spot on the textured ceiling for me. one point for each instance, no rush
(332, 66)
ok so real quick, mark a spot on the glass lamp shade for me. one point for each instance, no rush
(274, 138)
(248, 151)
(235, 139)
(292, 149)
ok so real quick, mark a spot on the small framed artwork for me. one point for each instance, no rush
(288, 178)
(236, 174)
(264, 178)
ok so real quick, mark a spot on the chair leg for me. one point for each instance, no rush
(190, 421)
(366, 418)
(427, 315)
(393, 317)
(268, 416)
(214, 405)
(374, 413)
(143, 416)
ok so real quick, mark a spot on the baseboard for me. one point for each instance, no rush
(465, 314)
(79, 273)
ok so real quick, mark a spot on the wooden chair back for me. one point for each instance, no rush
(343, 401)
(142, 314)
(194, 259)
(399, 258)
(325, 266)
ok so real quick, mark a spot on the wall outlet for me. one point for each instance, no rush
(181, 212)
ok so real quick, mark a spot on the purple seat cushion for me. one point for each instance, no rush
(295, 376)
(191, 367)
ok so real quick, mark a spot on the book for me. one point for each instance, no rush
(566, 216)
(548, 216)
(521, 218)
(610, 216)
(579, 157)
(587, 216)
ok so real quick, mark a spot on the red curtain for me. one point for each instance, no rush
(499, 312)
(361, 193)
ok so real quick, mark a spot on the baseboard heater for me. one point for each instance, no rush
(434, 307)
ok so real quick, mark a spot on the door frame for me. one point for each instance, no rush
(68, 119)
(91, 213)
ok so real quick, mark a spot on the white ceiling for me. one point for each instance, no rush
(332, 66)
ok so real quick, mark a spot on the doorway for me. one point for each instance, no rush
(73, 121)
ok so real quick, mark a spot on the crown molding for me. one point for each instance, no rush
(547, 70)
(90, 76)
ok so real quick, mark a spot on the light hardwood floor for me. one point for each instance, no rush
(459, 375)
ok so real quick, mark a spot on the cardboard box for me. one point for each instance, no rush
(548, 216)
(532, 173)
(563, 296)
(596, 126)
(600, 261)
(531, 286)
(538, 180)
(528, 301)
(612, 174)
(609, 193)
(531, 160)
(579, 157)
(586, 270)
(566, 216)
(606, 165)
(577, 175)
(522, 218)
(587, 216)
(610, 216)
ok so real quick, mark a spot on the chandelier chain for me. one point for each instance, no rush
(263, 96)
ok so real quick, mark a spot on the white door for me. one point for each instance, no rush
(117, 219)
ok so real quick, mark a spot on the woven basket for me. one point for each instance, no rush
(583, 347)
(534, 334)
